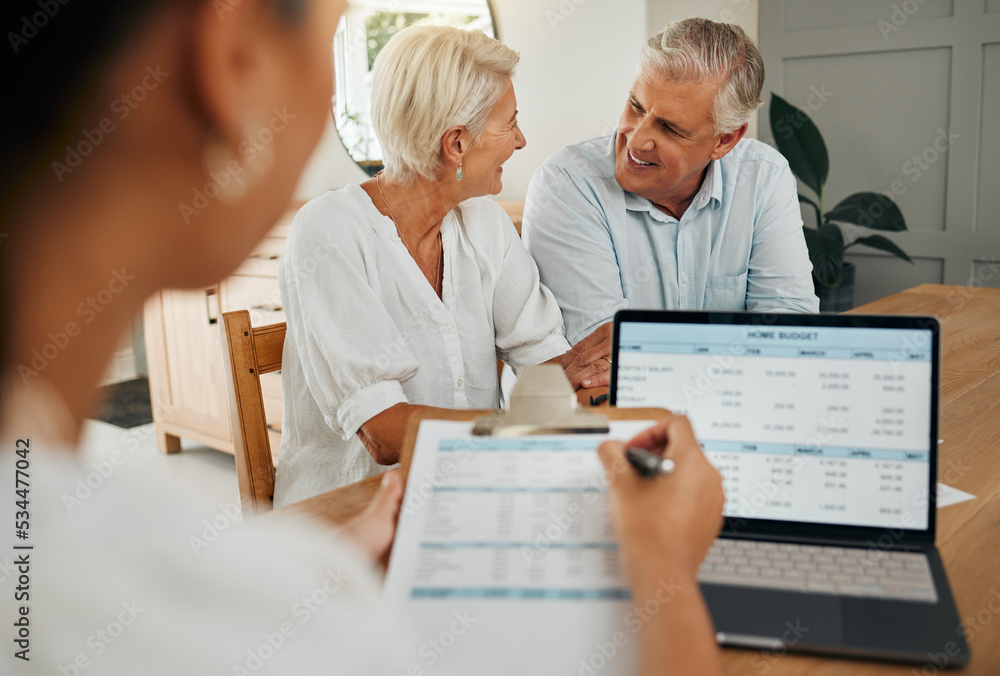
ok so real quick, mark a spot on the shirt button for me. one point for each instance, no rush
(460, 381)
(684, 279)
(449, 328)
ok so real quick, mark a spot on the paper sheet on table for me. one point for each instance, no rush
(505, 560)
(949, 495)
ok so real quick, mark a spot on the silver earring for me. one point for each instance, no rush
(458, 174)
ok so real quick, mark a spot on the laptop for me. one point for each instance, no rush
(824, 428)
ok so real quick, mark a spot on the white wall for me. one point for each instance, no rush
(907, 102)
(743, 13)
(578, 61)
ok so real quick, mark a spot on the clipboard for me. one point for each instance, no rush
(512, 532)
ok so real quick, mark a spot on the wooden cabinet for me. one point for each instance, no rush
(186, 378)
(186, 383)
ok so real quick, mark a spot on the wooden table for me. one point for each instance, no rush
(968, 534)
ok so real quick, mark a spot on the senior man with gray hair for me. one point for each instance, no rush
(676, 210)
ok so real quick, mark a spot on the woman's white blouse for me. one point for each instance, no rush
(366, 331)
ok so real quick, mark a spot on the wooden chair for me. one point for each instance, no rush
(248, 353)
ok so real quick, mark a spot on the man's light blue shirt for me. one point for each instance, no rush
(600, 249)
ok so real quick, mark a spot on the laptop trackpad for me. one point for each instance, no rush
(791, 617)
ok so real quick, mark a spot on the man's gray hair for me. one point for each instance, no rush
(695, 50)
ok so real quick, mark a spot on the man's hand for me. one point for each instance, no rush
(372, 530)
(667, 521)
(587, 365)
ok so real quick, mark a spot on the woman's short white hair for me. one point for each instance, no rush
(428, 79)
(695, 50)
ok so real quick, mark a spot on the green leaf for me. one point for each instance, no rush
(800, 142)
(826, 251)
(880, 242)
(871, 210)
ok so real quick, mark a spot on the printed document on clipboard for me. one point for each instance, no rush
(505, 560)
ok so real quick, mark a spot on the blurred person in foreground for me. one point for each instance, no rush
(112, 585)
(401, 292)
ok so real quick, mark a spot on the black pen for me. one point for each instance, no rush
(648, 464)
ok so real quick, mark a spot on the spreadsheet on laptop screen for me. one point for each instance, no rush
(825, 425)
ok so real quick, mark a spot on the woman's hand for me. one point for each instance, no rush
(665, 526)
(587, 364)
(372, 530)
(670, 520)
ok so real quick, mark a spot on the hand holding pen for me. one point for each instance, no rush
(675, 517)
(648, 464)
(665, 526)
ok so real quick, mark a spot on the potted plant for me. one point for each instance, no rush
(798, 139)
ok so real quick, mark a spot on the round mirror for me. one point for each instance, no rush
(364, 29)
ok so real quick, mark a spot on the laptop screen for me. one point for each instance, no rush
(812, 423)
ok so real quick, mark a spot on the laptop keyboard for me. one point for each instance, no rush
(843, 571)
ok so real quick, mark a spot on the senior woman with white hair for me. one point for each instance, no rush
(401, 292)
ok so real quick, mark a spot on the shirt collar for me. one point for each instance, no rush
(711, 187)
(710, 192)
